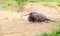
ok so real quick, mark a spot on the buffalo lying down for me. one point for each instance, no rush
(37, 17)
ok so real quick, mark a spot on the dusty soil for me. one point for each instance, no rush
(15, 24)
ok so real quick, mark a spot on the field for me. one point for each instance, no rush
(16, 24)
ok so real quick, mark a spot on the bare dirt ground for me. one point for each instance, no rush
(15, 24)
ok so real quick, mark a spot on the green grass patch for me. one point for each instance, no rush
(49, 34)
(7, 5)
(46, 34)
(10, 2)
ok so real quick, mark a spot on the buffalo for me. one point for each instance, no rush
(37, 17)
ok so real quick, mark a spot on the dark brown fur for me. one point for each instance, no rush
(37, 17)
